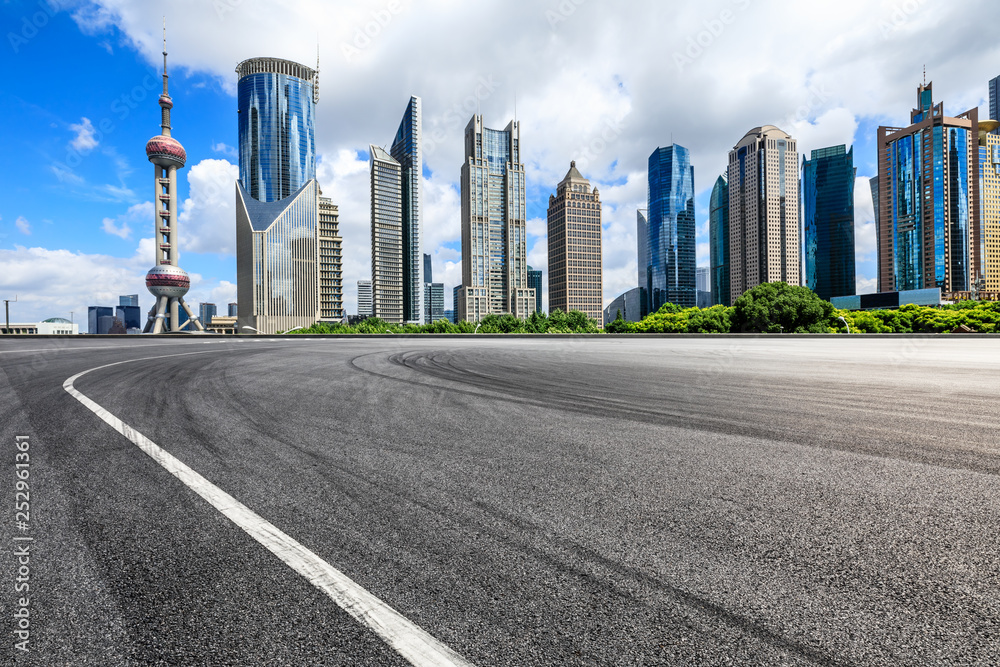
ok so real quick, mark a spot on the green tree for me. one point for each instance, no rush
(779, 307)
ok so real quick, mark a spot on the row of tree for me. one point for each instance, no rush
(767, 308)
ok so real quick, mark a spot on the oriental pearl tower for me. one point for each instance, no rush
(166, 281)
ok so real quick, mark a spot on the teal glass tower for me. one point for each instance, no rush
(828, 221)
(718, 232)
(406, 151)
(671, 229)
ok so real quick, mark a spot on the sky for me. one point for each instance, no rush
(601, 83)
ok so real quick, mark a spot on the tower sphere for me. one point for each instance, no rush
(165, 152)
(168, 280)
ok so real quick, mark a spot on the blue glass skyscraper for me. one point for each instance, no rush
(277, 108)
(671, 237)
(277, 197)
(929, 232)
(406, 151)
(828, 221)
(718, 234)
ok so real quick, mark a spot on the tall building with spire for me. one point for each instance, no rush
(494, 225)
(574, 240)
(928, 201)
(277, 199)
(166, 281)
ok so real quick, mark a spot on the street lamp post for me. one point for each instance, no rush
(247, 326)
(6, 305)
(841, 318)
(291, 330)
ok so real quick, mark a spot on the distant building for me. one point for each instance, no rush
(131, 316)
(671, 236)
(535, 283)
(642, 246)
(331, 282)
(94, 315)
(929, 225)
(428, 269)
(884, 300)
(989, 209)
(364, 298)
(104, 324)
(494, 225)
(574, 239)
(994, 101)
(129, 300)
(387, 236)
(704, 299)
(631, 305)
(433, 302)
(828, 221)
(455, 291)
(405, 150)
(703, 285)
(718, 232)
(763, 210)
(57, 326)
(222, 325)
(206, 311)
(450, 315)
(233, 310)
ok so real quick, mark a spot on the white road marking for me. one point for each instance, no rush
(407, 638)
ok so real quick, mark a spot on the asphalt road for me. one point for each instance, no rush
(601, 501)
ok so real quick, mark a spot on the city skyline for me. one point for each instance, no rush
(564, 115)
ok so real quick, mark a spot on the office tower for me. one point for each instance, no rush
(703, 287)
(450, 315)
(128, 300)
(387, 236)
(494, 234)
(828, 221)
(928, 188)
(642, 246)
(455, 291)
(989, 191)
(94, 315)
(331, 282)
(631, 305)
(574, 236)
(130, 316)
(433, 302)
(206, 311)
(671, 229)
(873, 186)
(428, 269)
(277, 207)
(405, 150)
(535, 283)
(718, 236)
(995, 100)
(166, 281)
(763, 210)
(364, 298)
(233, 309)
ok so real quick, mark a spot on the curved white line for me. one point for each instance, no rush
(407, 638)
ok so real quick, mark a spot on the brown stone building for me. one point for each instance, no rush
(575, 269)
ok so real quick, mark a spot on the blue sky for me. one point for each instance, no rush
(591, 84)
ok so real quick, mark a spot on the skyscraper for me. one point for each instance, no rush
(428, 269)
(671, 235)
(928, 189)
(167, 281)
(574, 236)
(331, 282)
(233, 309)
(406, 151)
(718, 236)
(763, 210)
(387, 236)
(94, 316)
(989, 190)
(277, 207)
(433, 302)
(206, 311)
(535, 283)
(828, 221)
(994, 100)
(129, 316)
(128, 300)
(364, 298)
(494, 234)
(642, 246)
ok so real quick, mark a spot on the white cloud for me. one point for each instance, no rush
(226, 150)
(207, 220)
(866, 285)
(23, 225)
(84, 140)
(864, 221)
(119, 226)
